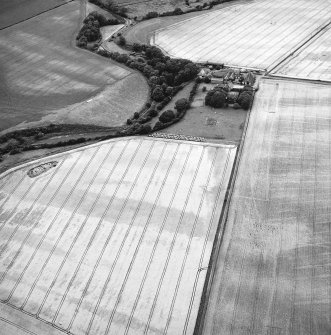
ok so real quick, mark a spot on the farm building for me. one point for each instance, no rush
(248, 78)
(205, 73)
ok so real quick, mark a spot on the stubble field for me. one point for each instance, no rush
(45, 78)
(253, 35)
(115, 239)
(313, 61)
(273, 272)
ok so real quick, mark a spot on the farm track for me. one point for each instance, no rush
(122, 205)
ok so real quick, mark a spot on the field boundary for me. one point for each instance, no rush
(33, 16)
(200, 321)
(302, 44)
(303, 80)
(36, 161)
(297, 78)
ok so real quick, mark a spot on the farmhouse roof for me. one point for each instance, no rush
(220, 73)
(204, 72)
(249, 78)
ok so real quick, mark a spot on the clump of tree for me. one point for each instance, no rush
(150, 15)
(166, 77)
(181, 105)
(245, 99)
(162, 72)
(112, 6)
(167, 116)
(216, 98)
(90, 31)
(121, 41)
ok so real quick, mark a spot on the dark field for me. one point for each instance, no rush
(13, 11)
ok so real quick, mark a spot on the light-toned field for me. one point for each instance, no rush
(113, 240)
(273, 271)
(45, 78)
(253, 35)
(311, 62)
(142, 32)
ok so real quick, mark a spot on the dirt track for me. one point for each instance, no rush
(273, 272)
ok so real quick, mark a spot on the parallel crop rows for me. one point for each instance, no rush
(311, 62)
(273, 272)
(251, 35)
(113, 239)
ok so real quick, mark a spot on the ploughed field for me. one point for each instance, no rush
(113, 238)
(254, 35)
(45, 77)
(313, 61)
(273, 271)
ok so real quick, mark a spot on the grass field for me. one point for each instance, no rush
(212, 123)
(115, 239)
(311, 62)
(254, 35)
(273, 271)
(14, 11)
(44, 77)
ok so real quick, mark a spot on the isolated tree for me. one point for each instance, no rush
(218, 99)
(121, 41)
(177, 11)
(181, 104)
(245, 99)
(215, 98)
(157, 94)
(169, 91)
(151, 15)
(167, 116)
(136, 47)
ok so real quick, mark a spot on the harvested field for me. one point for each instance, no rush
(14, 11)
(273, 271)
(253, 35)
(144, 30)
(311, 62)
(112, 238)
(45, 77)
